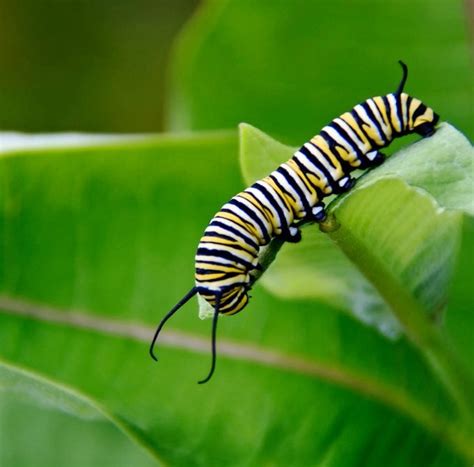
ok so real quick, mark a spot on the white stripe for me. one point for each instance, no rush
(311, 167)
(403, 103)
(276, 197)
(245, 233)
(215, 259)
(219, 283)
(221, 231)
(366, 119)
(284, 183)
(238, 212)
(229, 306)
(217, 247)
(322, 159)
(387, 130)
(354, 137)
(387, 126)
(338, 138)
(393, 104)
(249, 204)
(309, 197)
(264, 202)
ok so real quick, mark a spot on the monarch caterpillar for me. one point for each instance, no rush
(228, 253)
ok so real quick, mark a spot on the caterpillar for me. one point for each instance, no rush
(275, 207)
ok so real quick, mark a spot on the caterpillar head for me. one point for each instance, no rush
(422, 119)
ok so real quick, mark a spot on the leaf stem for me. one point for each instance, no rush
(421, 332)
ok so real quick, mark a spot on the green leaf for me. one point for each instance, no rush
(97, 243)
(395, 209)
(48, 419)
(291, 69)
(400, 228)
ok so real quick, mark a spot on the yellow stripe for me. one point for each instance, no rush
(225, 269)
(294, 204)
(244, 224)
(277, 188)
(396, 124)
(414, 104)
(351, 121)
(238, 306)
(208, 277)
(294, 166)
(383, 111)
(244, 254)
(323, 146)
(323, 186)
(373, 134)
(224, 241)
(256, 203)
(304, 178)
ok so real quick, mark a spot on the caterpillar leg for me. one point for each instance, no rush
(344, 184)
(318, 213)
(372, 159)
(426, 129)
(292, 235)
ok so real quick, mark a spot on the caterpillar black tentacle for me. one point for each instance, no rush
(293, 194)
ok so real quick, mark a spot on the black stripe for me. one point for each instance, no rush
(208, 293)
(248, 224)
(376, 123)
(232, 301)
(387, 109)
(385, 136)
(408, 103)
(219, 235)
(235, 246)
(304, 170)
(247, 239)
(398, 108)
(317, 163)
(252, 214)
(264, 210)
(286, 208)
(261, 186)
(241, 296)
(215, 263)
(308, 153)
(419, 111)
(286, 192)
(360, 123)
(345, 136)
(223, 275)
(225, 255)
(302, 198)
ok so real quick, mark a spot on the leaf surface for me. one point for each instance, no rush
(97, 244)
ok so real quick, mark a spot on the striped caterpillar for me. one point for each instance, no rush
(274, 207)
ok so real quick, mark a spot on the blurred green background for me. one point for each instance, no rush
(86, 65)
(287, 67)
(177, 65)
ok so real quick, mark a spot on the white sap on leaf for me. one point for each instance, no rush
(205, 309)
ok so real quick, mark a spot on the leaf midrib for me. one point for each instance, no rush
(393, 397)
